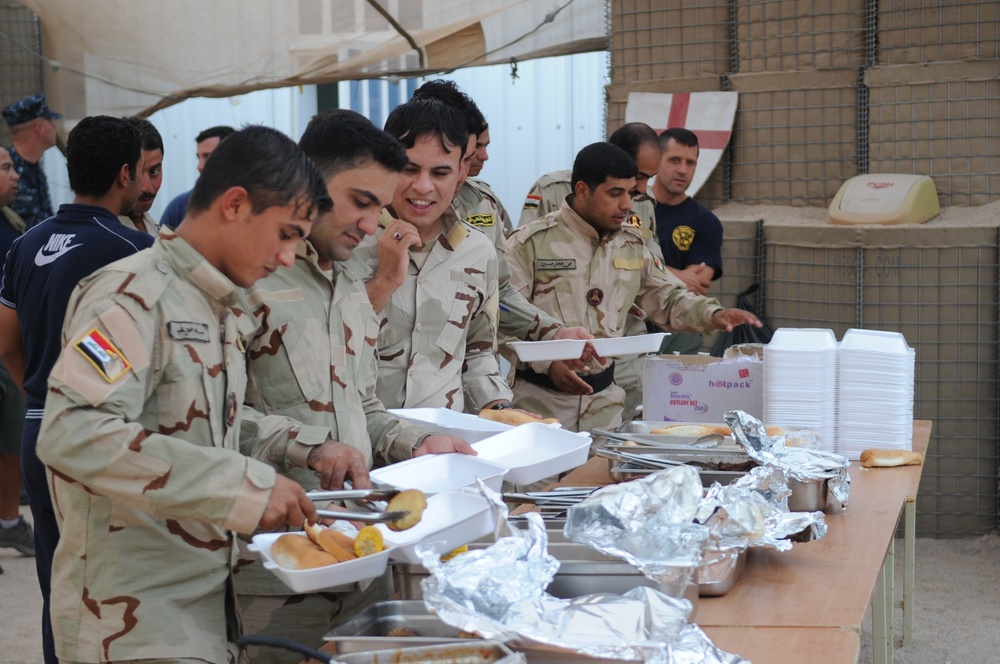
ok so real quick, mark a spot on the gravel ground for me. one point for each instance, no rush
(956, 619)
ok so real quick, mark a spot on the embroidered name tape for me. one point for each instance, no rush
(555, 263)
(628, 263)
(187, 331)
(110, 362)
(481, 219)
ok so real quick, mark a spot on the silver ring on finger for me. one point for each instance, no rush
(398, 236)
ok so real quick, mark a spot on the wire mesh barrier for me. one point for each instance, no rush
(827, 90)
(20, 69)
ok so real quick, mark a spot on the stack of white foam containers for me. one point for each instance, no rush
(800, 382)
(875, 400)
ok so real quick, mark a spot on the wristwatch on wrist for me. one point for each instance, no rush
(501, 406)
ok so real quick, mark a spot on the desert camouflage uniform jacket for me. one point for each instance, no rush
(313, 359)
(562, 265)
(141, 438)
(438, 335)
(480, 208)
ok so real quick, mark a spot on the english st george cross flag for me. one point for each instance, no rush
(709, 115)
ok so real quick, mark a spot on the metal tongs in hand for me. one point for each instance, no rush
(357, 494)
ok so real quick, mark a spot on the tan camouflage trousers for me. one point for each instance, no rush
(304, 619)
(601, 410)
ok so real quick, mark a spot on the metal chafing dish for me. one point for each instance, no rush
(721, 586)
(582, 571)
(366, 639)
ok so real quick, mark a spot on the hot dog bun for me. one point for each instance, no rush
(294, 551)
(337, 544)
(692, 430)
(513, 417)
(889, 458)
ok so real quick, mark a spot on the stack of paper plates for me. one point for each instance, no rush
(800, 382)
(876, 392)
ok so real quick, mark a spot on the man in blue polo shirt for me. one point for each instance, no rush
(104, 161)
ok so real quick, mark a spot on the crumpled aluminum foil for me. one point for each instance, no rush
(798, 463)
(648, 522)
(498, 592)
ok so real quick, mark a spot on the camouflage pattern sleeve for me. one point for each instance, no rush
(669, 304)
(546, 195)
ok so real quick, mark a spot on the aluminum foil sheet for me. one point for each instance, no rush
(498, 593)
(649, 522)
(798, 463)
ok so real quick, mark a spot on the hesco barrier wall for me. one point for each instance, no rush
(937, 283)
(828, 90)
(20, 70)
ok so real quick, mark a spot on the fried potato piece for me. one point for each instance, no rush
(455, 552)
(411, 501)
(334, 542)
(368, 541)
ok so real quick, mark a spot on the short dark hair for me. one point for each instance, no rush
(599, 161)
(96, 149)
(222, 132)
(428, 117)
(269, 165)
(338, 140)
(448, 92)
(151, 139)
(632, 136)
(681, 136)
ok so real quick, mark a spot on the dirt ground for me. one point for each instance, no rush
(956, 618)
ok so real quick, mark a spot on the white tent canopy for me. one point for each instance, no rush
(123, 57)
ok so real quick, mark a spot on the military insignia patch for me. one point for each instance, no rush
(683, 237)
(532, 202)
(633, 220)
(106, 358)
(628, 263)
(595, 296)
(180, 330)
(481, 220)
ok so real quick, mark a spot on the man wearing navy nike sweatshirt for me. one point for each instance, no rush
(104, 161)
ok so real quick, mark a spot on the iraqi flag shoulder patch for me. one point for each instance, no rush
(110, 362)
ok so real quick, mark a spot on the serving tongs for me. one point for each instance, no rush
(557, 497)
(703, 443)
(361, 495)
(639, 459)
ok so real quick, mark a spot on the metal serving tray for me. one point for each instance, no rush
(582, 571)
(373, 628)
(631, 471)
(466, 652)
(809, 496)
(725, 584)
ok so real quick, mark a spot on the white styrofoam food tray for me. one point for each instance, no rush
(640, 343)
(535, 451)
(469, 428)
(311, 580)
(437, 473)
(450, 520)
(548, 351)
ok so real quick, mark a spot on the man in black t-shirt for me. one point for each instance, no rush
(690, 235)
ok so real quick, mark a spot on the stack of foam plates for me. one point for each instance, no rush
(876, 392)
(800, 382)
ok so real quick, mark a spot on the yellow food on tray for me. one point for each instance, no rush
(368, 541)
(455, 552)
(339, 545)
(411, 501)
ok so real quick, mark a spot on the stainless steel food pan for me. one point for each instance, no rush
(631, 471)
(808, 496)
(721, 586)
(466, 652)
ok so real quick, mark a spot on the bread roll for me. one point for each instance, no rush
(294, 551)
(513, 417)
(411, 501)
(692, 430)
(337, 544)
(889, 458)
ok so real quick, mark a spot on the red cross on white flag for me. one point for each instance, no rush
(709, 115)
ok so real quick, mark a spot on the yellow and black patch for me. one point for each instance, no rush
(110, 362)
(485, 219)
(683, 237)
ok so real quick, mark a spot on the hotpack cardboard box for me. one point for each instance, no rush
(698, 388)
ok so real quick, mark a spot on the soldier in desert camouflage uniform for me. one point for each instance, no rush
(477, 205)
(547, 195)
(581, 264)
(313, 359)
(437, 340)
(144, 417)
